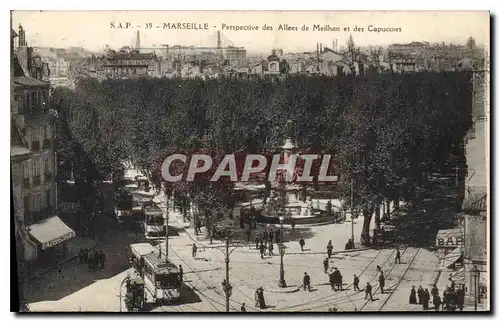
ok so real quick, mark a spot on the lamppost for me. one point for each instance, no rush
(475, 270)
(282, 219)
(282, 282)
(127, 278)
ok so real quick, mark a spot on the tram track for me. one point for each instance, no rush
(343, 295)
(336, 296)
(394, 286)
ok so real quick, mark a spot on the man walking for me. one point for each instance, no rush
(302, 243)
(368, 291)
(262, 249)
(307, 282)
(356, 283)
(381, 282)
(194, 250)
(325, 265)
(397, 260)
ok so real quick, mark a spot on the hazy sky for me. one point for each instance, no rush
(91, 29)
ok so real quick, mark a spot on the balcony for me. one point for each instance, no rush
(48, 177)
(26, 183)
(47, 144)
(35, 146)
(37, 180)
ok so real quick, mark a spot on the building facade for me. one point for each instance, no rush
(475, 208)
(42, 232)
(131, 65)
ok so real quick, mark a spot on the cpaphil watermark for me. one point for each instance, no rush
(249, 167)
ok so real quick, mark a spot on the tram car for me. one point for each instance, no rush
(135, 299)
(154, 223)
(162, 279)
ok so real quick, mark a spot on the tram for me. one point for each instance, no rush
(162, 279)
(154, 223)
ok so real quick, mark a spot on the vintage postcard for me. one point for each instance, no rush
(250, 161)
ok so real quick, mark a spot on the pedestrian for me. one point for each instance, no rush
(332, 281)
(270, 249)
(398, 256)
(413, 295)
(198, 226)
(436, 300)
(329, 249)
(420, 294)
(262, 249)
(257, 298)
(249, 234)
(302, 243)
(181, 273)
(339, 279)
(381, 282)
(427, 298)
(292, 222)
(262, 301)
(271, 236)
(85, 255)
(460, 298)
(243, 308)
(368, 291)
(325, 265)
(257, 241)
(434, 290)
(356, 283)
(307, 282)
(335, 278)
(265, 234)
(194, 250)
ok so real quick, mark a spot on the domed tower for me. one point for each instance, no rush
(273, 63)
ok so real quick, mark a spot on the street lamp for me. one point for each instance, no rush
(476, 286)
(282, 282)
(282, 219)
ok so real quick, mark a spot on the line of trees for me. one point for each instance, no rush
(388, 132)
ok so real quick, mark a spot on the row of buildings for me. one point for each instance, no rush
(40, 234)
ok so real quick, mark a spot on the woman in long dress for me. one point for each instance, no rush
(257, 298)
(413, 295)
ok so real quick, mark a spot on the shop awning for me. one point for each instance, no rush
(452, 257)
(50, 232)
(450, 238)
(475, 204)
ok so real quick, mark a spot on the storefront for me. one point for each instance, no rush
(51, 236)
(476, 247)
(450, 245)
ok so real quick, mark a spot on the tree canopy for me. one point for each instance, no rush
(387, 132)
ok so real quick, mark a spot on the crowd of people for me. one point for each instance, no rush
(453, 298)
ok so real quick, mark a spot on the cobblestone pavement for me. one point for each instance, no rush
(203, 277)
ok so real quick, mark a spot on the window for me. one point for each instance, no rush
(26, 171)
(27, 106)
(48, 132)
(26, 203)
(46, 167)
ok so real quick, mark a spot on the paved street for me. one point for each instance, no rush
(203, 276)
